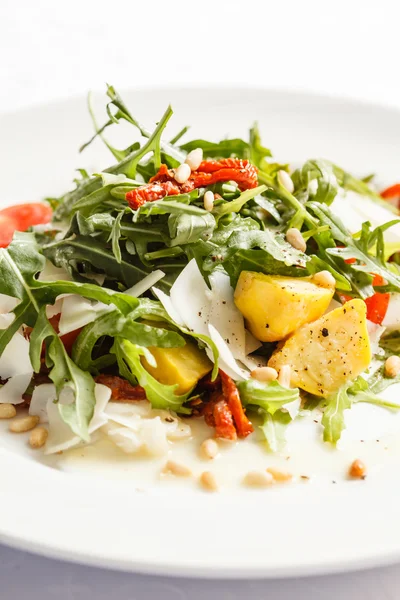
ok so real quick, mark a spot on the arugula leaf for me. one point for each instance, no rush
(273, 255)
(65, 374)
(115, 324)
(258, 152)
(186, 229)
(236, 206)
(127, 166)
(274, 429)
(224, 149)
(359, 273)
(317, 180)
(160, 396)
(19, 265)
(271, 396)
(77, 253)
(115, 234)
(333, 416)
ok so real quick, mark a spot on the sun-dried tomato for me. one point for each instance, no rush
(231, 395)
(216, 413)
(121, 389)
(209, 172)
(224, 426)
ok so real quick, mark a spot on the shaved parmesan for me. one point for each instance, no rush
(190, 298)
(226, 360)
(168, 306)
(52, 273)
(225, 316)
(40, 397)
(138, 427)
(392, 317)
(251, 343)
(60, 435)
(7, 303)
(15, 366)
(145, 284)
(12, 391)
(76, 312)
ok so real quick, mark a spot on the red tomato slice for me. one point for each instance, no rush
(7, 228)
(391, 192)
(26, 215)
(377, 304)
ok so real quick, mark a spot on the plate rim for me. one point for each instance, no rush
(173, 569)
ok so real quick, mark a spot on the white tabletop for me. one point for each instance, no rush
(49, 50)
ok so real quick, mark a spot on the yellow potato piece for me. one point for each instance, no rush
(329, 352)
(274, 307)
(183, 366)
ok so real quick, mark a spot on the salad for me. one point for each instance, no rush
(197, 280)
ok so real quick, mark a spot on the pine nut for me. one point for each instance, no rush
(208, 200)
(177, 469)
(194, 159)
(280, 476)
(295, 239)
(209, 448)
(392, 366)
(182, 173)
(208, 481)
(324, 279)
(357, 470)
(7, 411)
(258, 479)
(24, 424)
(284, 376)
(286, 181)
(38, 437)
(264, 374)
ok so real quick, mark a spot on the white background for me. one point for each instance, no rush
(50, 49)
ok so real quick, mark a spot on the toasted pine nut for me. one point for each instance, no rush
(7, 411)
(208, 200)
(209, 448)
(264, 374)
(286, 181)
(208, 481)
(258, 479)
(392, 366)
(177, 469)
(24, 424)
(357, 469)
(182, 173)
(194, 158)
(324, 279)
(295, 239)
(280, 476)
(38, 437)
(284, 376)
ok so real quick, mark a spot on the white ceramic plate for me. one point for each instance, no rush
(95, 518)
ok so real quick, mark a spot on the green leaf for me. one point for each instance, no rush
(236, 205)
(65, 374)
(115, 324)
(359, 273)
(115, 235)
(159, 395)
(187, 228)
(317, 180)
(333, 417)
(257, 151)
(224, 149)
(271, 396)
(274, 429)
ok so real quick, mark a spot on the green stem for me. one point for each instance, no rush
(289, 200)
